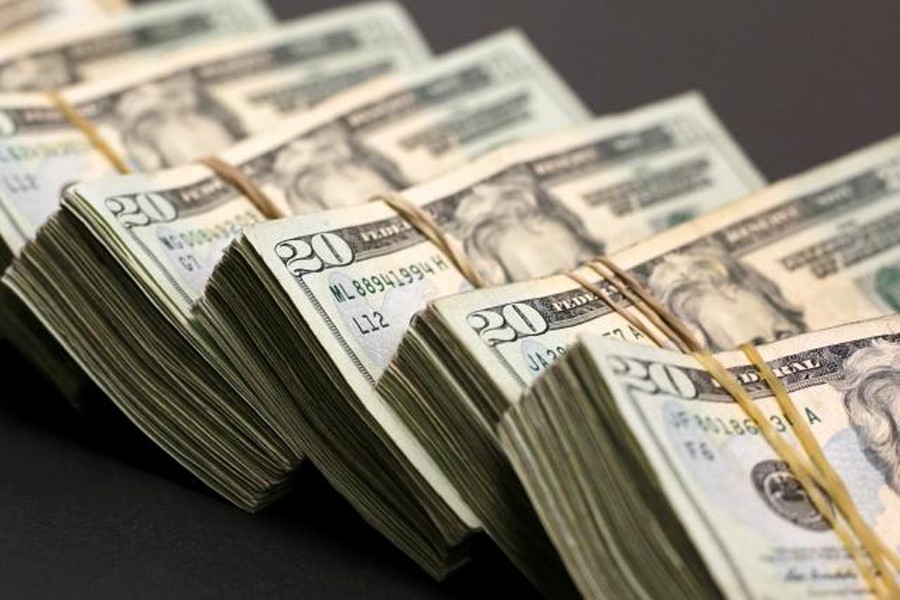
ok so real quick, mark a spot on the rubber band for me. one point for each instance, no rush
(77, 120)
(621, 311)
(237, 179)
(426, 225)
(234, 176)
(651, 313)
(682, 333)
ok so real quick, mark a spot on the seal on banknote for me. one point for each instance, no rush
(782, 492)
(887, 285)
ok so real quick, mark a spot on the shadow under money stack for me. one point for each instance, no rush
(639, 461)
(143, 115)
(751, 270)
(315, 305)
(115, 272)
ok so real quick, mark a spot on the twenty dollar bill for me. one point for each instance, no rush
(132, 40)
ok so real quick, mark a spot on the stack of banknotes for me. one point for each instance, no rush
(266, 242)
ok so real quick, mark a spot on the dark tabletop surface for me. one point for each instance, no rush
(88, 509)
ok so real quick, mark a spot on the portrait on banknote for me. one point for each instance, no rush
(514, 230)
(871, 393)
(329, 169)
(724, 301)
(154, 118)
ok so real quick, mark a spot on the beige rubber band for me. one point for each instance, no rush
(90, 132)
(426, 225)
(621, 311)
(238, 180)
(651, 313)
(674, 323)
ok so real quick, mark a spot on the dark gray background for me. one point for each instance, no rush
(89, 509)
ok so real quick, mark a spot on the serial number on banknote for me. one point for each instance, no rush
(538, 360)
(384, 281)
(683, 419)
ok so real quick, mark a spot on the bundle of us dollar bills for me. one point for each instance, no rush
(52, 60)
(184, 109)
(308, 310)
(136, 39)
(638, 462)
(115, 272)
(191, 105)
(810, 252)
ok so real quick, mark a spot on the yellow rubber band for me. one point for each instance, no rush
(621, 311)
(650, 312)
(237, 179)
(90, 132)
(681, 332)
(424, 222)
